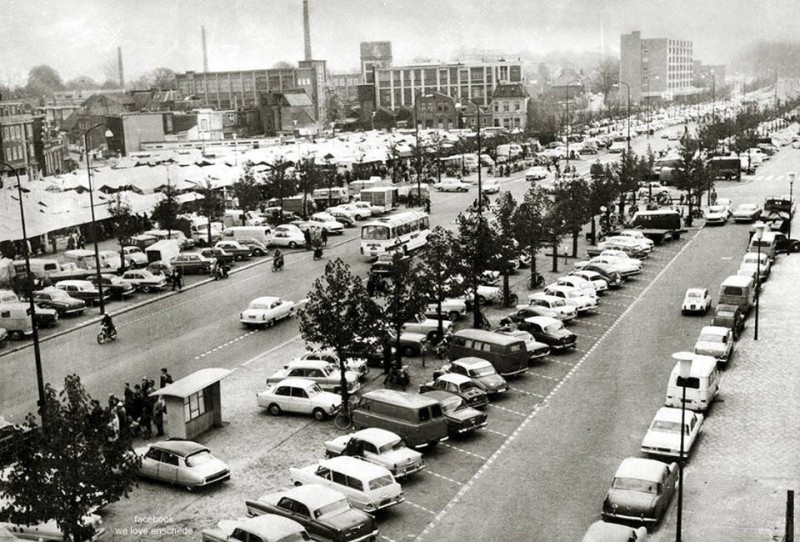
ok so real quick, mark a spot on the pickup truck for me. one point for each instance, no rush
(266, 528)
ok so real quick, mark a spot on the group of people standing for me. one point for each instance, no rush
(139, 411)
(315, 237)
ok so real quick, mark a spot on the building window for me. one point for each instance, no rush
(506, 109)
(194, 406)
(516, 106)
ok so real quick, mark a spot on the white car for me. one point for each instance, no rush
(715, 341)
(145, 281)
(428, 327)
(696, 300)
(380, 447)
(617, 253)
(452, 309)
(327, 222)
(266, 311)
(357, 365)
(327, 378)
(287, 235)
(534, 348)
(638, 236)
(360, 210)
(763, 263)
(581, 284)
(600, 284)
(663, 438)
(725, 202)
(536, 173)
(451, 185)
(630, 246)
(572, 296)
(490, 186)
(301, 396)
(341, 209)
(135, 257)
(623, 266)
(554, 307)
(716, 214)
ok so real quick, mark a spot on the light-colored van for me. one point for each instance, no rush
(162, 250)
(418, 420)
(701, 386)
(507, 354)
(16, 319)
(177, 235)
(767, 245)
(259, 233)
(737, 290)
(368, 487)
(85, 259)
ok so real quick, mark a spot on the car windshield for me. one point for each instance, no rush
(665, 426)
(482, 371)
(375, 233)
(555, 327)
(200, 458)
(694, 294)
(313, 390)
(391, 446)
(711, 338)
(726, 314)
(716, 209)
(452, 404)
(335, 507)
(558, 303)
(635, 484)
(59, 294)
(380, 482)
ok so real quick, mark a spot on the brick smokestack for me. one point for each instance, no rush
(205, 50)
(119, 66)
(307, 30)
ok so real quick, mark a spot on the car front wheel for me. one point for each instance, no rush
(292, 244)
(145, 289)
(319, 414)
(274, 409)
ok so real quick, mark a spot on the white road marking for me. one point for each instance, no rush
(504, 435)
(428, 471)
(415, 505)
(504, 409)
(463, 451)
(527, 392)
(544, 376)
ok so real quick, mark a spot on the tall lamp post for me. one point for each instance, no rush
(684, 372)
(757, 236)
(791, 202)
(416, 136)
(569, 123)
(91, 204)
(37, 357)
(629, 112)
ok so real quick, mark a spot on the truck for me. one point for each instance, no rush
(381, 199)
(53, 271)
(779, 204)
(659, 225)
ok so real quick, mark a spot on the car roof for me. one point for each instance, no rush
(441, 395)
(546, 297)
(265, 299)
(182, 448)
(454, 378)
(272, 526)
(296, 382)
(481, 335)
(696, 290)
(310, 363)
(541, 320)
(314, 496)
(355, 467)
(671, 414)
(642, 469)
(471, 362)
(376, 436)
(716, 330)
(701, 366)
(411, 400)
(727, 307)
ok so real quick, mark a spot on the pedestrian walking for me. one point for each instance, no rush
(324, 237)
(71, 241)
(159, 409)
(54, 243)
(128, 395)
(307, 235)
(81, 241)
(176, 280)
(166, 378)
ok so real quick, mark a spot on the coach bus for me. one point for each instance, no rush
(405, 231)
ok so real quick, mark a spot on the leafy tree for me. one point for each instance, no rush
(246, 190)
(82, 82)
(573, 202)
(124, 223)
(163, 79)
(603, 192)
(530, 228)
(43, 81)
(607, 76)
(166, 210)
(309, 177)
(690, 175)
(437, 265)
(476, 253)
(402, 301)
(280, 184)
(626, 174)
(504, 208)
(65, 469)
(211, 205)
(339, 312)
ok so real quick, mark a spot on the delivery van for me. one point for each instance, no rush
(163, 250)
(737, 290)
(417, 419)
(259, 233)
(702, 385)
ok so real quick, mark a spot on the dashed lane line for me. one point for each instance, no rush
(545, 376)
(586, 323)
(224, 345)
(523, 392)
(504, 409)
(387, 538)
(463, 451)
(487, 465)
(504, 435)
(560, 363)
(415, 505)
(626, 296)
(428, 471)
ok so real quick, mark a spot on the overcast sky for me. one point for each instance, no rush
(80, 37)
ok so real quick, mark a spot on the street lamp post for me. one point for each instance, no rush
(791, 203)
(419, 157)
(569, 123)
(758, 235)
(684, 372)
(37, 357)
(629, 112)
(94, 222)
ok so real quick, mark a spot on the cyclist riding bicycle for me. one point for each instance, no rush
(107, 324)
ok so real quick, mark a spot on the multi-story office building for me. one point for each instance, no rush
(17, 138)
(660, 67)
(397, 87)
(342, 94)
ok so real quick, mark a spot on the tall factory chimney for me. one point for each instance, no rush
(119, 66)
(205, 50)
(307, 30)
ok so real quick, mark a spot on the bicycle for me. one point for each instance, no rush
(536, 281)
(397, 378)
(344, 418)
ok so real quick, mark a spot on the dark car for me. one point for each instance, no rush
(116, 286)
(460, 418)
(641, 491)
(222, 256)
(239, 251)
(460, 385)
(58, 300)
(348, 221)
(160, 267)
(479, 370)
(525, 312)
(3, 337)
(731, 317)
(385, 262)
(192, 262)
(611, 275)
(256, 247)
(550, 332)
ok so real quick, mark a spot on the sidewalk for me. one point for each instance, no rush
(736, 481)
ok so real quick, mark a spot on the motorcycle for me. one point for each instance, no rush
(220, 272)
(397, 377)
(277, 264)
(106, 335)
(318, 253)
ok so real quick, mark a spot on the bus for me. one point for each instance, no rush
(405, 231)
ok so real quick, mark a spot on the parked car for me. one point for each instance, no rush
(385, 262)
(611, 275)
(715, 341)
(731, 317)
(550, 332)
(323, 221)
(461, 419)
(636, 235)
(747, 212)
(480, 371)
(266, 311)
(380, 447)
(696, 300)
(600, 531)
(596, 279)
(762, 262)
(347, 219)
(256, 247)
(145, 281)
(641, 491)
(716, 214)
(452, 309)
(663, 437)
(82, 289)
(552, 307)
(451, 185)
(239, 251)
(573, 296)
(181, 462)
(324, 512)
(534, 348)
(584, 286)
(360, 210)
(266, 528)
(624, 266)
(287, 235)
(218, 254)
(460, 385)
(58, 300)
(192, 262)
(326, 377)
(427, 326)
(116, 286)
(357, 365)
(301, 396)
(134, 256)
(160, 267)
(536, 173)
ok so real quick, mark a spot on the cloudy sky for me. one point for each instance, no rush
(80, 37)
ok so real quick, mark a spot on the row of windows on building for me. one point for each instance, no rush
(14, 154)
(261, 83)
(507, 107)
(449, 76)
(15, 132)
